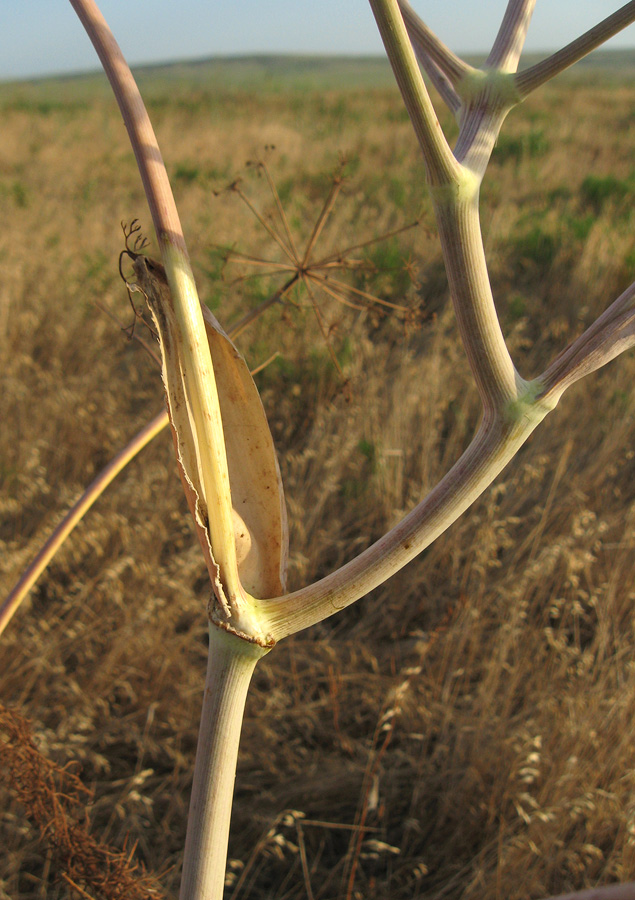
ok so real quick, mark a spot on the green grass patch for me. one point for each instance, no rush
(598, 191)
(580, 226)
(518, 147)
(537, 247)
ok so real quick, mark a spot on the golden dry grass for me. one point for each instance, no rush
(475, 713)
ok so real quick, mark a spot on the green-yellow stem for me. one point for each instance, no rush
(197, 372)
(231, 663)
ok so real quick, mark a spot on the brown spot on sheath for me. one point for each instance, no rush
(407, 545)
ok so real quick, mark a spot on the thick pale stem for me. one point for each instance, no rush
(464, 255)
(510, 39)
(448, 62)
(534, 76)
(231, 663)
(439, 80)
(480, 126)
(500, 436)
(455, 192)
(441, 166)
(197, 372)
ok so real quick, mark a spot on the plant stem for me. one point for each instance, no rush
(441, 166)
(464, 255)
(496, 442)
(75, 514)
(443, 67)
(189, 338)
(508, 45)
(452, 66)
(142, 138)
(231, 663)
(533, 77)
(611, 334)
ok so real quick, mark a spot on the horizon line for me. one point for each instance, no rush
(264, 55)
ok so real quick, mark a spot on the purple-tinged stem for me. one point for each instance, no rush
(537, 75)
(140, 131)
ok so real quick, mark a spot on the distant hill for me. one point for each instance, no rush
(280, 73)
(338, 71)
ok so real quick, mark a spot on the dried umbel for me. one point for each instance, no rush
(55, 801)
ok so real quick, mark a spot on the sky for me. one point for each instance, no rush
(42, 37)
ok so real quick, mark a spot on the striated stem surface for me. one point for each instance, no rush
(510, 39)
(441, 166)
(464, 255)
(533, 77)
(231, 663)
(443, 67)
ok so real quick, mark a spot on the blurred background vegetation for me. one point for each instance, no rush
(466, 730)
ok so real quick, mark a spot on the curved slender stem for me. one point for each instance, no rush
(443, 67)
(611, 334)
(189, 340)
(143, 140)
(438, 79)
(452, 66)
(140, 131)
(74, 515)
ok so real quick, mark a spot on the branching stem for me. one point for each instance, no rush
(534, 76)
(512, 407)
(497, 441)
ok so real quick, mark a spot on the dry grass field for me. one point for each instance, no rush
(466, 731)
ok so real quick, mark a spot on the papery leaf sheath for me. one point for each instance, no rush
(254, 475)
(259, 512)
